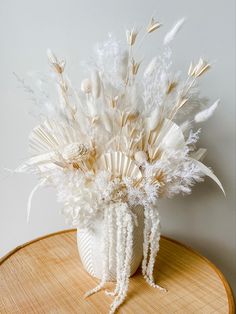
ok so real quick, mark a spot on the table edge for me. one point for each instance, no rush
(227, 287)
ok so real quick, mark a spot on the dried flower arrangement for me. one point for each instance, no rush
(121, 142)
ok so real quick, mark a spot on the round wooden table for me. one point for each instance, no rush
(46, 276)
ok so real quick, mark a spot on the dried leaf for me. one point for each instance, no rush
(207, 171)
(199, 154)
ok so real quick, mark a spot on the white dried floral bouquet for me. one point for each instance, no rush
(120, 142)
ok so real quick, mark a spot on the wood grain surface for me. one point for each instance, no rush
(46, 276)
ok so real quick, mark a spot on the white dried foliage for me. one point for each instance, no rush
(123, 140)
(111, 62)
(207, 113)
(172, 33)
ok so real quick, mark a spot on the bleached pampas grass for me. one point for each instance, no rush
(125, 139)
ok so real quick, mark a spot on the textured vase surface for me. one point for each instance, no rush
(90, 246)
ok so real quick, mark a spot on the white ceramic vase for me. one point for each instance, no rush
(90, 245)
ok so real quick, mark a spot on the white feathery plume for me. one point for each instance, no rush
(206, 113)
(172, 33)
(150, 67)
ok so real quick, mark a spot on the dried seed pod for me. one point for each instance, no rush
(135, 66)
(86, 86)
(128, 116)
(51, 56)
(140, 157)
(114, 101)
(171, 86)
(201, 67)
(132, 115)
(153, 25)
(131, 36)
(94, 120)
(57, 65)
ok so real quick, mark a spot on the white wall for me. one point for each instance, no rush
(204, 220)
